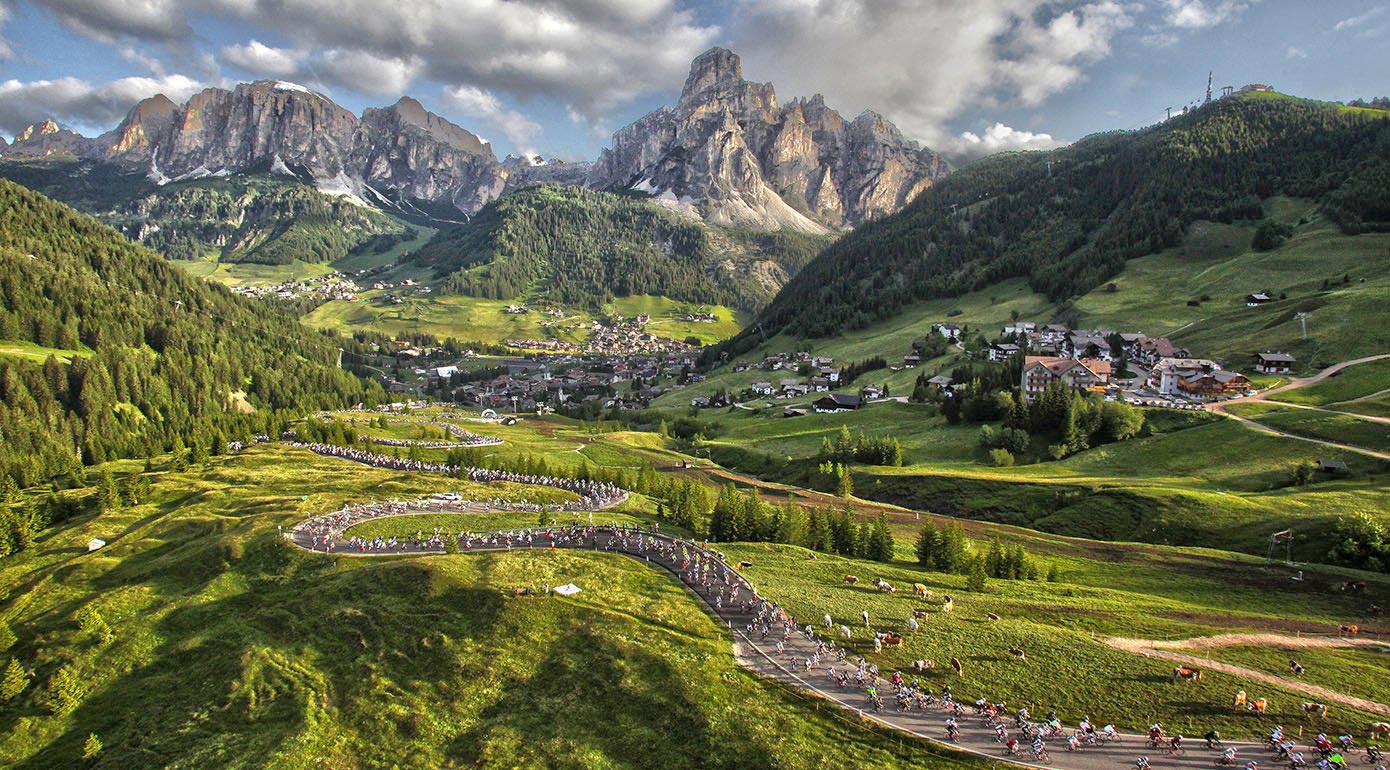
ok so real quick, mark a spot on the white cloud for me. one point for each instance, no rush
(590, 55)
(481, 104)
(1201, 14)
(1352, 22)
(923, 62)
(79, 103)
(262, 60)
(1294, 52)
(367, 73)
(108, 20)
(1001, 138)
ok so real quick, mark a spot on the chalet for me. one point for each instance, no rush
(1195, 377)
(516, 309)
(740, 366)
(837, 402)
(1020, 329)
(1088, 344)
(1053, 334)
(949, 331)
(1215, 383)
(870, 392)
(911, 361)
(793, 412)
(762, 388)
(1039, 372)
(830, 373)
(795, 390)
(941, 381)
(1151, 350)
(1332, 466)
(1274, 363)
(820, 384)
(1003, 351)
(1257, 299)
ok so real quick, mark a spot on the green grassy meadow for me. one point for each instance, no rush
(232, 649)
(485, 320)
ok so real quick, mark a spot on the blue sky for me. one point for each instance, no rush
(556, 77)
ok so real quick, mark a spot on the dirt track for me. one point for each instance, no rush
(1155, 648)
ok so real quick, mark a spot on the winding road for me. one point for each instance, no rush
(763, 657)
(1219, 407)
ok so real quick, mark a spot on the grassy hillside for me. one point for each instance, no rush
(233, 650)
(240, 219)
(1070, 220)
(485, 320)
(229, 648)
(582, 248)
(142, 354)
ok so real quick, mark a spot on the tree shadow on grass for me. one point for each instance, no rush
(235, 680)
(592, 696)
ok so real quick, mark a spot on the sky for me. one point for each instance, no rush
(556, 77)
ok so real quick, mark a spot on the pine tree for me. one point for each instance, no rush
(108, 493)
(928, 541)
(881, 540)
(844, 482)
(978, 577)
(64, 691)
(91, 748)
(15, 681)
(178, 456)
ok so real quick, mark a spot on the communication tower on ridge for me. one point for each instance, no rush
(1208, 101)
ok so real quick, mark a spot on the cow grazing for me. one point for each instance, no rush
(919, 614)
(891, 639)
(1351, 630)
(1296, 668)
(1239, 702)
(844, 632)
(1018, 653)
(955, 664)
(1259, 705)
(1315, 710)
(1354, 585)
(991, 616)
(1380, 731)
(921, 591)
(884, 586)
(912, 624)
(851, 579)
(926, 664)
(948, 605)
(1187, 674)
(828, 621)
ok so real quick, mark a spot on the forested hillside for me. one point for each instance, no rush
(579, 247)
(259, 219)
(1068, 220)
(106, 350)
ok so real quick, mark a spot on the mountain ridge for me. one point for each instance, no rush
(726, 152)
(1069, 219)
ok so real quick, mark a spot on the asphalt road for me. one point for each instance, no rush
(763, 658)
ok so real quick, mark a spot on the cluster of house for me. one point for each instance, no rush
(823, 375)
(533, 385)
(624, 338)
(330, 286)
(1086, 360)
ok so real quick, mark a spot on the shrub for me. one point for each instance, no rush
(1001, 458)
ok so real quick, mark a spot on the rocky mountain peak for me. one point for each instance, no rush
(411, 113)
(149, 124)
(716, 81)
(729, 149)
(37, 130)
